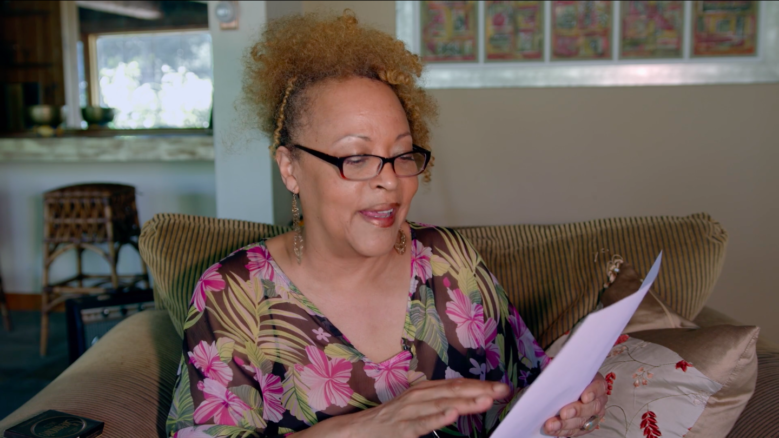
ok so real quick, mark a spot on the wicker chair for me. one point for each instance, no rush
(86, 217)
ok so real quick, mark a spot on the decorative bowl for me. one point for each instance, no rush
(44, 115)
(97, 115)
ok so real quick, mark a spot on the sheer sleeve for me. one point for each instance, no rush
(223, 388)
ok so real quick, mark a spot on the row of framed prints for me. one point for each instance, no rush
(452, 31)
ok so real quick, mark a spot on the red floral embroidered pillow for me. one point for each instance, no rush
(653, 392)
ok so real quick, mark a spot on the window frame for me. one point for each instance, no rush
(91, 70)
(762, 68)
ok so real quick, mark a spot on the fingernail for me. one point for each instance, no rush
(555, 425)
(588, 397)
(500, 388)
(568, 413)
(483, 399)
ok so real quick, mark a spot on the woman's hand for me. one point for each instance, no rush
(418, 411)
(573, 416)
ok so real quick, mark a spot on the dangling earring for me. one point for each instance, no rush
(400, 243)
(298, 239)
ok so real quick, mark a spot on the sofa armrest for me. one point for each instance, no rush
(761, 416)
(126, 380)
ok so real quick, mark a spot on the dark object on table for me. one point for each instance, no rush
(89, 318)
(99, 217)
(97, 115)
(4, 307)
(55, 424)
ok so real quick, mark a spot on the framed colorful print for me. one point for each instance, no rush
(724, 28)
(581, 30)
(449, 31)
(514, 30)
(651, 29)
(493, 44)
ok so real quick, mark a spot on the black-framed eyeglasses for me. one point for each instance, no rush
(363, 167)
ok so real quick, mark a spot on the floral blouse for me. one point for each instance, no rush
(261, 360)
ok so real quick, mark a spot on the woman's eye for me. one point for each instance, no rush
(407, 158)
(355, 161)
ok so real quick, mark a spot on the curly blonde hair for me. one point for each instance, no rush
(298, 51)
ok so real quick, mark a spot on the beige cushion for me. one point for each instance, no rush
(727, 355)
(125, 380)
(548, 271)
(652, 313)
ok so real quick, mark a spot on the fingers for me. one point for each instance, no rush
(462, 406)
(456, 388)
(573, 416)
(426, 424)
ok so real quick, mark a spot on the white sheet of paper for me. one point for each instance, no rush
(569, 373)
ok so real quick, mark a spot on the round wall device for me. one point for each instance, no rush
(225, 12)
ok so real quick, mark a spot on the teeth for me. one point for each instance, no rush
(382, 214)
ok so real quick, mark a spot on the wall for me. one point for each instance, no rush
(247, 184)
(162, 188)
(555, 155)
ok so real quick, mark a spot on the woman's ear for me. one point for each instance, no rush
(287, 168)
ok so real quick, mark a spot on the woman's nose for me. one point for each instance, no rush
(386, 179)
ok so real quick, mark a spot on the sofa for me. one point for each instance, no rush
(553, 274)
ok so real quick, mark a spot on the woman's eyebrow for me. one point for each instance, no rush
(367, 138)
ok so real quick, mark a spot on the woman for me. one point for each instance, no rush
(361, 323)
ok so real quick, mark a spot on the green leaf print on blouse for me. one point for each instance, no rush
(295, 398)
(182, 409)
(428, 325)
(260, 330)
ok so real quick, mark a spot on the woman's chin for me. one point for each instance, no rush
(375, 243)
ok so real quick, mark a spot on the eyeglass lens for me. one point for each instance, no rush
(365, 167)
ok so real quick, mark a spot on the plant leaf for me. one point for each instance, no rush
(231, 431)
(225, 347)
(182, 409)
(429, 328)
(258, 358)
(361, 402)
(269, 289)
(294, 399)
(248, 394)
(343, 351)
(190, 319)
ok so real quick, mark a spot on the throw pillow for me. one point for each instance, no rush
(727, 355)
(653, 392)
(652, 313)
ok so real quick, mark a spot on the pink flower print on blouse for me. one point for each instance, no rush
(271, 389)
(469, 318)
(327, 380)
(220, 404)
(420, 261)
(391, 376)
(321, 335)
(259, 263)
(194, 432)
(491, 348)
(205, 357)
(210, 281)
(527, 345)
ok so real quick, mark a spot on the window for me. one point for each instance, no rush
(153, 79)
